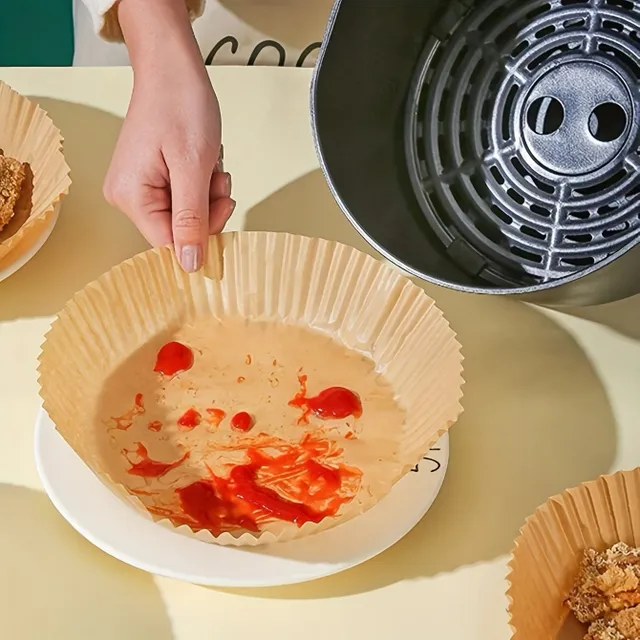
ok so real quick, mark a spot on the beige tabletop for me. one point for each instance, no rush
(551, 400)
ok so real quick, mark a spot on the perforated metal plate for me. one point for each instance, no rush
(522, 135)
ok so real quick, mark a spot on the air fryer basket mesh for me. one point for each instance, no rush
(522, 136)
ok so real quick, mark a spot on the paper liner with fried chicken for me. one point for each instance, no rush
(606, 594)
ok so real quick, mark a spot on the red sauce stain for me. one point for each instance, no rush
(334, 403)
(154, 425)
(216, 416)
(314, 443)
(148, 468)
(241, 379)
(300, 399)
(166, 512)
(142, 492)
(350, 436)
(322, 475)
(247, 360)
(173, 358)
(203, 504)
(292, 486)
(125, 421)
(190, 419)
(242, 421)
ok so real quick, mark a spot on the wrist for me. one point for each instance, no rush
(158, 33)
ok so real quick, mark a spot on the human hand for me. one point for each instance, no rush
(166, 172)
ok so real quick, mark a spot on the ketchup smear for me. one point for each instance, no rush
(125, 421)
(190, 419)
(201, 502)
(148, 468)
(241, 501)
(173, 358)
(216, 416)
(154, 425)
(242, 421)
(334, 403)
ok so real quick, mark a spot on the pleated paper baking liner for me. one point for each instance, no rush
(547, 554)
(28, 135)
(292, 282)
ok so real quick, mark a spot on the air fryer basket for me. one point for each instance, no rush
(490, 146)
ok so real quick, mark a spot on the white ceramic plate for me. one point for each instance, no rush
(23, 259)
(118, 529)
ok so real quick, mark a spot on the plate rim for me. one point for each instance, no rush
(41, 424)
(16, 265)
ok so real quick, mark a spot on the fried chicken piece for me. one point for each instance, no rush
(608, 582)
(13, 174)
(624, 625)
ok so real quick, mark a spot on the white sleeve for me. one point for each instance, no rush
(105, 16)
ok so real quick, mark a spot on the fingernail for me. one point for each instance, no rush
(227, 183)
(231, 208)
(191, 258)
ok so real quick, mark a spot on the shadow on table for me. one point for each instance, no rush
(81, 246)
(622, 316)
(56, 585)
(536, 421)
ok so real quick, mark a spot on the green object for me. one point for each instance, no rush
(36, 33)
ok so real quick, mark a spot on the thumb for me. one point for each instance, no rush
(190, 214)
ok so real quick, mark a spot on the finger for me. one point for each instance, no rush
(190, 214)
(219, 213)
(148, 208)
(155, 226)
(220, 186)
(152, 215)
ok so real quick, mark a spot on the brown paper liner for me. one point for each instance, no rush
(547, 554)
(28, 134)
(333, 289)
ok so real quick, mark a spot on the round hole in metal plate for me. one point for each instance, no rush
(545, 115)
(607, 122)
